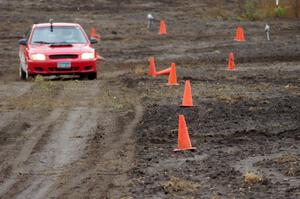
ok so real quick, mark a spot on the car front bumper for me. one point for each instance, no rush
(50, 67)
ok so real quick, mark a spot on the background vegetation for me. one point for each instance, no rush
(259, 9)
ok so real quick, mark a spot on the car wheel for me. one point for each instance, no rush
(23, 74)
(92, 76)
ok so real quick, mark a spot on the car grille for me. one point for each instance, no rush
(73, 68)
(66, 56)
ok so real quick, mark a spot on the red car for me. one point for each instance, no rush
(57, 49)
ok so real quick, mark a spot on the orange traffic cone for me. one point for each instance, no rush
(152, 68)
(164, 72)
(187, 96)
(231, 64)
(239, 34)
(173, 77)
(162, 28)
(184, 142)
(95, 35)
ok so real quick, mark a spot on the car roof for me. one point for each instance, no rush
(56, 24)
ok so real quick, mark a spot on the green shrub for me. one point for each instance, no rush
(251, 9)
(279, 11)
(39, 78)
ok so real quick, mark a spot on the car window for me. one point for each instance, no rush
(70, 35)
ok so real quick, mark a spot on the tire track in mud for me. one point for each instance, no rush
(125, 138)
(64, 146)
(53, 148)
(59, 140)
(12, 123)
(33, 135)
(23, 152)
(19, 175)
(109, 172)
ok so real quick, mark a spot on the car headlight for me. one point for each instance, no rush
(87, 55)
(38, 57)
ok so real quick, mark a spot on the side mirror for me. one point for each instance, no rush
(93, 40)
(23, 42)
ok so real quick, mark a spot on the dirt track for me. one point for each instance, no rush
(114, 137)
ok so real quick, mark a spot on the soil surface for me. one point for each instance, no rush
(114, 137)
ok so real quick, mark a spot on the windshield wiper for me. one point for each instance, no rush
(41, 42)
(61, 44)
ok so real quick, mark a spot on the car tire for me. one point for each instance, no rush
(92, 76)
(23, 74)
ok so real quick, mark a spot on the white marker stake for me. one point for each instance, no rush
(267, 29)
(150, 21)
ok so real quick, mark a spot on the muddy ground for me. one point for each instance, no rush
(114, 137)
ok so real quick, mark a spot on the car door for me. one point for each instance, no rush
(23, 51)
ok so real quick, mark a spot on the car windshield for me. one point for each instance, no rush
(58, 35)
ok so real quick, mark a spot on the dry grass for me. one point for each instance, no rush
(216, 197)
(251, 178)
(140, 70)
(41, 95)
(188, 197)
(286, 159)
(177, 185)
(291, 164)
(51, 94)
(291, 171)
(231, 99)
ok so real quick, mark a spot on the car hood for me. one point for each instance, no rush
(55, 50)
